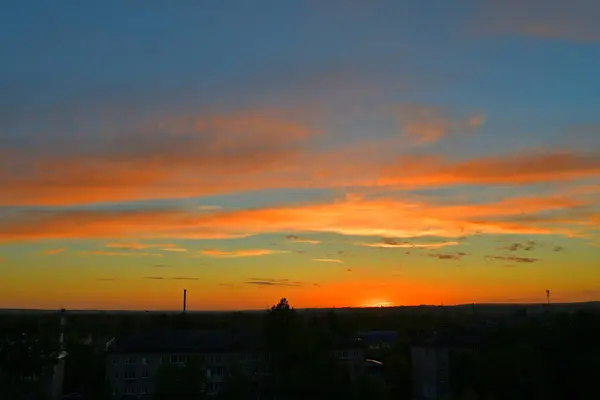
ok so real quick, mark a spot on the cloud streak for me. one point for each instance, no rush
(296, 239)
(54, 251)
(426, 124)
(143, 246)
(388, 243)
(543, 19)
(274, 282)
(400, 218)
(159, 158)
(170, 158)
(514, 258)
(120, 254)
(447, 256)
(240, 253)
(328, 260)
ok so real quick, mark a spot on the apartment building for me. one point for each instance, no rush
(133, 362)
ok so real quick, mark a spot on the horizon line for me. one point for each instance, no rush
(542, 303)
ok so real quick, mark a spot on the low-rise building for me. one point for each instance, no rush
(133, 362)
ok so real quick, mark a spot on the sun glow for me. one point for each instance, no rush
(377, 303)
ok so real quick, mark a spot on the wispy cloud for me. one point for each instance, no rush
(175, 278)
(202, 155)
(392, 243)
(175, 249)
(297, 239)
(447, 256)
(240, 253)
(429, 124)
(328, 260)
(544, 19)
(54, 251)
(142, 246)
(530, 245)
(274, 282)
(513, 258)
(208, 208)
(165, 157)
(510, 169)
(121, 254)
(406, 217)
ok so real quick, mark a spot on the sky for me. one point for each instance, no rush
(336, 153)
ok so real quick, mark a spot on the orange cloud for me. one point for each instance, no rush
(240, 253)
(514, 169)
(121, 254)
(142, 246)
(396, 218)
(294, 238)
(153, 164)
(328, 260)
(205, 156)
(391, 243)
(54, 251)
(175, 249)
(429, 124)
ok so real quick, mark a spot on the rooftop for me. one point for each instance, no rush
(185, 341)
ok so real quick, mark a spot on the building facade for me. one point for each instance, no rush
(430, 372)
(133, 363)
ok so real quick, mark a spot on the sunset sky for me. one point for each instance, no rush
(337, 153)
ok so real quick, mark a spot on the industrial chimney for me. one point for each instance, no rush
(184, 299)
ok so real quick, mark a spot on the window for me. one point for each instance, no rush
(177, 358)
(130, 360)
(115, 391)
(144, 374)
(114, 361)
(129, 375)
(217, 358)
(144, 390)
(214, 371)
(130, 390)
(144, 361)
(117, 374)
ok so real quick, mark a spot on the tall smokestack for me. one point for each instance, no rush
(184, 299)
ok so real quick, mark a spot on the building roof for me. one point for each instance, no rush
(374, 337)
(185, 341)
(200, 341)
